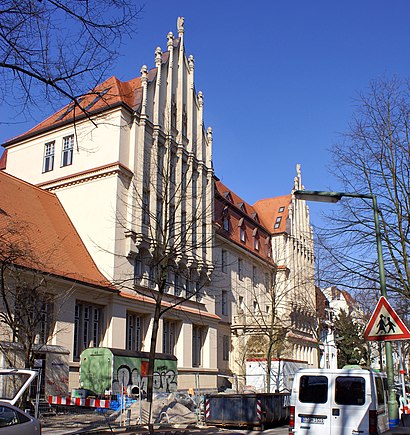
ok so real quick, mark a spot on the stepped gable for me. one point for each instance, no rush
(107, 95)
(36, 231)
(268, 212)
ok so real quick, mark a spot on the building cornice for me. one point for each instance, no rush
(85, 176)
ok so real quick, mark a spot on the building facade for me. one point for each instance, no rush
(131, 164)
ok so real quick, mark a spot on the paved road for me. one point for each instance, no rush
(283, 430)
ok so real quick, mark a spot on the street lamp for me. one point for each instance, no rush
(333, 197)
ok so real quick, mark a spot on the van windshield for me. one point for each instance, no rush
(350, 390)
(313, 389)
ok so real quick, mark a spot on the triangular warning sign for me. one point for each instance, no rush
(385, 324)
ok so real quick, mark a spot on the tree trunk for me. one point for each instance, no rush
(151, 362)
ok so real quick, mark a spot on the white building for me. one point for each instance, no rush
(135, 170)
(139, 164)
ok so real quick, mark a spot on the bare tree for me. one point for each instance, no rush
(26, 300)
(273, 314)
(373, 158)
(175, 234)
(57, 50)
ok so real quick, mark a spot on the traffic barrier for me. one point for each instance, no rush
(259, 410)
(207, 409)
(76, 401)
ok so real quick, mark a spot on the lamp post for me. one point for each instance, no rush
(333, 197)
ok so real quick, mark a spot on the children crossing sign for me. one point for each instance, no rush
(385, 324)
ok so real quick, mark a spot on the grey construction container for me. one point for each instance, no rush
(250, 410)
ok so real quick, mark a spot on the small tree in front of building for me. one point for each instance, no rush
(350, 343)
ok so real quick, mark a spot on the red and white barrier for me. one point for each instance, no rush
(207, 409)
(259, 410)
(76, 401)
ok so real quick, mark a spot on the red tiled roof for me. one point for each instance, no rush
(117, 93)
(35, 228)
(236, 200)
(241, 215)
(3, 161)
(268, 211)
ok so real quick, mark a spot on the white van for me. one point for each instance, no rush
(339, 402)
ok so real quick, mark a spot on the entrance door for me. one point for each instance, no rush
(312, 408)
(350, 406)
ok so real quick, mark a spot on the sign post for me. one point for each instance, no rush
(385, 324)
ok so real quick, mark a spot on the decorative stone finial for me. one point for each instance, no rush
(200, 99)
(191, 62)
(209, 133)
(144, 72)
(180, 25)
(158, 55)
(170, 43)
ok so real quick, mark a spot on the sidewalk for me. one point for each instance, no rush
(398, 430)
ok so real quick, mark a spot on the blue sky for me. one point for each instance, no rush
(279, 78)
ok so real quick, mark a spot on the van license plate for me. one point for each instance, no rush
(312, 420)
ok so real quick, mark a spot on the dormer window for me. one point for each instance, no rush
(227, 195)
(241, 205)
(281, 209)
(255, 217)
(277, 222)
(255, 235)
(242, 232)
(225, 219)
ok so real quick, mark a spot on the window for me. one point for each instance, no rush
(313, 389)
(255, 307)
(67, 151)
(225, 347)
(171, 221)
(168, 337)
(223, 259)
(224, 304)
(225, 223)
(134, 332)
(241, 304)
(242, 232)
(281, 209)
(256, 243)
(225, 219)
(240, 269)
(137, 268)
(380, 391)
(177, 288)
(350, 390)
(277, 222)
(190, 288)
(152, 277)
(197, 343)
(183, 229)
(32, 315)
(87, 327)
(45, 324)
(48, 163)
(145, 207)
(159, 214)
(254, 275)
(12, 417)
